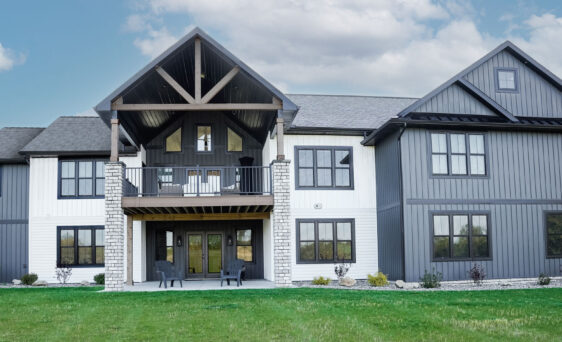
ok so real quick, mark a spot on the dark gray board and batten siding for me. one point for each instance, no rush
(390, 249)
(14, 229)
(524, 181)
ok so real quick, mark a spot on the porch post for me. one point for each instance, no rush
(281, 222)
(114, 140)
(114, 227)
(280, 138)
(129, 250)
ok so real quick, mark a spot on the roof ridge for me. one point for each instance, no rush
(80, 116)
(23, 127)
(347, 95)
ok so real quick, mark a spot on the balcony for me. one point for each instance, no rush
(200, 191)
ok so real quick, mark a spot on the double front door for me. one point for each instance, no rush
(204, 254)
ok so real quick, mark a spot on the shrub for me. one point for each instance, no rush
(321, 281)
(431, 280)
(477, 274)
(377, 280)
(341, 270)
(100, 278)
(543, 279)
(29, 279)
(63, 274)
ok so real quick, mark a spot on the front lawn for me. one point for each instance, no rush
(280, 314)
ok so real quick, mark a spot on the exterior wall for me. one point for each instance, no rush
(358, 204)
(46, 213)
(455, 100)
(156, 155)
(536, 97)
(115, 233)
(268, 266)
(525, 173)
(14, 209)
(389, 228)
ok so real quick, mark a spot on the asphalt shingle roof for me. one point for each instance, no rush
(13, 139)
(346, 111)
(81, 134)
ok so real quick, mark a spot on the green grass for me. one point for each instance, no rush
(280, 314)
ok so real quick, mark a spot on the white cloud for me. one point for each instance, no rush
(9, 58)
(382, 47)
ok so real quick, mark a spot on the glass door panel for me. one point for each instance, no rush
(214, 253)
(195, 254)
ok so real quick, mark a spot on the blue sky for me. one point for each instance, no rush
(63, 57)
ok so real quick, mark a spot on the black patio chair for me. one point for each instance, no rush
(233, 271)
(167, 271)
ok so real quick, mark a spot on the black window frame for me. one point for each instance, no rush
(94, 246)
(333, 168)
(468, 153)
(77, 178)
(515, 80)
(166, 246)
(334, 223)
(252, 244)
(451, 235)
(546, 234)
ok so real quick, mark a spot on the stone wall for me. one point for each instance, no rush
(281, 222)
(114, 227)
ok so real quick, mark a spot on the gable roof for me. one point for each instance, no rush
(345, 111)
(13, 139)
(72, 135)
(459, 79)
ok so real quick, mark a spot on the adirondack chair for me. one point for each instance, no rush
(167, 271)
(233, 271)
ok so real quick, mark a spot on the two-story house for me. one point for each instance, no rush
(198, 160)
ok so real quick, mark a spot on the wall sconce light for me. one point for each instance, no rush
(179, 241)
(229, 240)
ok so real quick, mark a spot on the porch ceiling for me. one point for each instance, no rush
(198, 208)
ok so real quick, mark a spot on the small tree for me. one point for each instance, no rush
(477, 274)
(341, 270)
(63, 273)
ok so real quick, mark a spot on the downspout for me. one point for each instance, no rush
(401, 201)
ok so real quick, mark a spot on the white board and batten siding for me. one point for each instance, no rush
(358, 204)
(47, 212)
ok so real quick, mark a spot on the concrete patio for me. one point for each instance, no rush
(200, 285)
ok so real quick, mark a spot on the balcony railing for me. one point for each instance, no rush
(196, 181)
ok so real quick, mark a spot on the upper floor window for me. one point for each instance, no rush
(506, 79)
(324, 167)
(325, 241)
(173, 141)
(460, 236)
(234, 141)
(554, 235)
(204, 143)
(458, 154)
(81, 246)
(81, 178)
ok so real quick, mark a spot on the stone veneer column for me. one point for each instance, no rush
(114, 227)
(281, 222)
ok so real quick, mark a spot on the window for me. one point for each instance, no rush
(325, 241)
(324, 167)
(234, 141)
(554, 235)
(165, 245)
(81, 178)
(204, 143)
(81, 246)
(460, 236)
(506, 79)
(458, 154)
(173, 141)
(244, 248)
